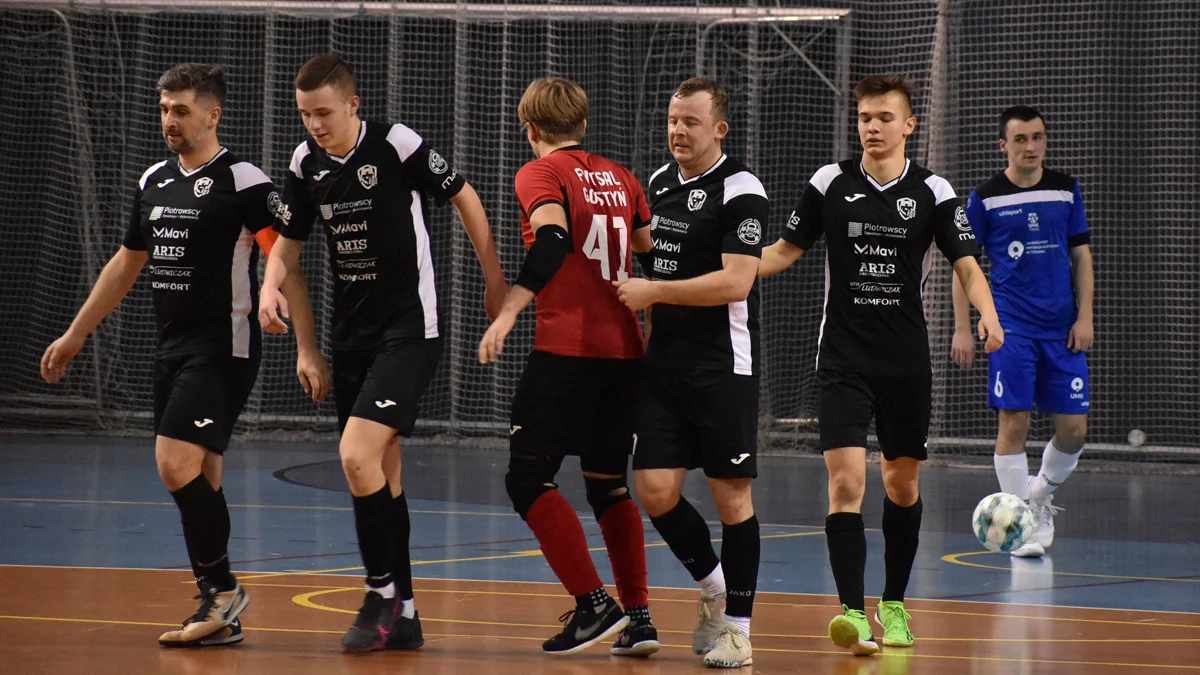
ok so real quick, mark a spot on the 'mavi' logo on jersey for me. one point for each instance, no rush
(170, 233)
(872, 249)
(668, 246)
(346, 228)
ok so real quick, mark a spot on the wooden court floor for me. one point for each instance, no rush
(63, 620)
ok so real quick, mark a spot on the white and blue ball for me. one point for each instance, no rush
(1003, 522)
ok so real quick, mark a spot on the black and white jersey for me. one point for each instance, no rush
(693, 223)
(878, 254)
(198, 228)
(373, 203)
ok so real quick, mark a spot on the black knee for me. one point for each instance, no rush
(604, 493)
(528, 478)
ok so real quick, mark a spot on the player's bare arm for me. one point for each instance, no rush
(545, 257)
(475, 222)
(284, 261)
(966, 269)
(962, 346)
(778, 257)
(1082, 335)
(114, 283)
(732, 283)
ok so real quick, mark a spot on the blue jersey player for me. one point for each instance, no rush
(1031, 222)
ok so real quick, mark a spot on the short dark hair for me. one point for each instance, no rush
(878, 85)
(1023, 113)
(206, 80)
(703, 83)
(326, 69)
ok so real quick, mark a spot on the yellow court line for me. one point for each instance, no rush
(956, 558)
(670, 646)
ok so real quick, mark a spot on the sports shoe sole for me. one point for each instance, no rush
(844, 634)
(227, 636)
(1030, 549)
(890, 643)
(715, 663)
(643, 648)
(612, 630)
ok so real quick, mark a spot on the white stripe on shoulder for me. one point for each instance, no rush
(246, 175)
(405, 140)
(146, 176)
(657, 173)
(824, 176)
(1031, 197)
(298, 157)
(941, 188)
(743, 183)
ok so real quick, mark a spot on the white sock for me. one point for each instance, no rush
(387, 592)
(1013, 474)
(742, 623)
(408, 608)
(1056, 466)
(713, 584)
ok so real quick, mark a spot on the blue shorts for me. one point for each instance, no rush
(1026, 372)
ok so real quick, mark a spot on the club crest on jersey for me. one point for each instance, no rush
(696, 200)
(368, 176)
(437, 163)
(750, 231)
(960, 220)
(202, 186)
(1016, 250)
(907, 206)
(274, 203)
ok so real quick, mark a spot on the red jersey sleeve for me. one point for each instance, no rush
(538, 183)
(641, 210)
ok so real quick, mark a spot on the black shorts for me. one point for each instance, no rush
(571, 405)
(198, 397)
(900, 404)
(384, 385)
(698, 418)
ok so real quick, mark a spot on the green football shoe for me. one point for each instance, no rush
(851, 630)
(894, 620)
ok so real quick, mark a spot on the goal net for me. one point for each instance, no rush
(79, 121)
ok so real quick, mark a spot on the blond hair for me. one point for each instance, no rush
(557, 107)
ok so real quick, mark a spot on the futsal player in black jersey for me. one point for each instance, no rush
(699, 400)
(879, 215)
(196, 220)
(369, 185)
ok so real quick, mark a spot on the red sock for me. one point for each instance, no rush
(563, 542)
(626, 542)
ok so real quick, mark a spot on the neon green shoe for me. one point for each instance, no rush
(850, 630)
(894, 620)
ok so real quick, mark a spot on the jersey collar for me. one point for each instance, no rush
(682, 181)
(874, 183)
(187, 174)
(362, 133)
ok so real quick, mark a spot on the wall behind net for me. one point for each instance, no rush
(79, 110)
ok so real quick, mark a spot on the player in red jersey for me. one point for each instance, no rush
(580, 216)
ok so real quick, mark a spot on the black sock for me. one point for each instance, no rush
(688, 537)
(593, 601)
(373, 519)
(403, 566)
(638, 616)
(205, 521)
(739, 560)
(847, 539)
(901, 532)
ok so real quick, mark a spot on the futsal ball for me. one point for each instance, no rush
(1003, 522)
